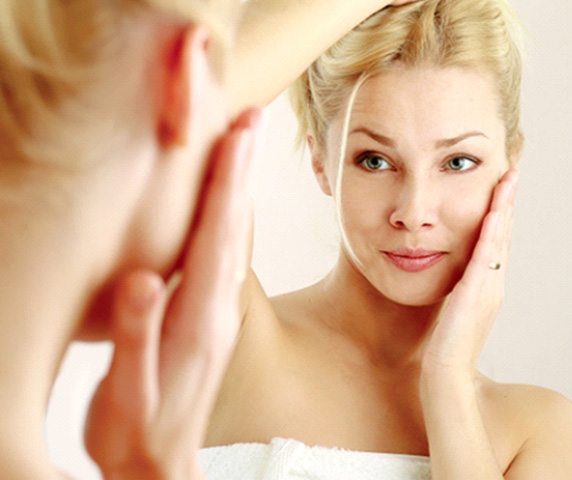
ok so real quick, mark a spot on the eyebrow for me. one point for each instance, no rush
(388, 142)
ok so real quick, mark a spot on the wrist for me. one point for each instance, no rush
(436, 366)
(445, 380)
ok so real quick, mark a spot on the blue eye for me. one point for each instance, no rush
(373, 162)
(462, 164)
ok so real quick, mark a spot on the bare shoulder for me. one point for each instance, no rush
(262, 314)
(540, 421)
(535, 404)
(295, 301)
(254, 302)
(254, 297)
(297, 310)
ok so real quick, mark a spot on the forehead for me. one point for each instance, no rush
(428, 103)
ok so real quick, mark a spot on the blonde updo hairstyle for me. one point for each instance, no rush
(58, 65)
(481, 34)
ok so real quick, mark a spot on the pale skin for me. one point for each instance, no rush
(277, 40)
(348, 362)
(391, 378)
(137, 408)
(127, 225)
(31, 354)
(134, 429)
(104, 219)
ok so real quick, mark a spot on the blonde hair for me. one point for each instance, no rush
(482, 34)
(53, 52)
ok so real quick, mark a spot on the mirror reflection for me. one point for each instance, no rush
(391, 291)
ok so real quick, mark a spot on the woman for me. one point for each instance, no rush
(111, 116)
(108, 113)
(380, 356)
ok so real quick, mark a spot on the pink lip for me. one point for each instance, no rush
(410, 260)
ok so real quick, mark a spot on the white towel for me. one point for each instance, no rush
(287, 459)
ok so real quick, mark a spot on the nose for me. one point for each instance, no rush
(414, 208)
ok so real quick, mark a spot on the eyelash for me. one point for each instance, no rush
(364, 156)
(476, 161)
(361, 159)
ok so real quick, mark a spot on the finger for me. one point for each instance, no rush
(490, 245)
(214, 262)
(502, 205)
(505, 205)
(248, 119)
(478, 268)
(498, 257)
(224, 193)
(506, 240)
(503, 194)
(203, 317)
(133, 377)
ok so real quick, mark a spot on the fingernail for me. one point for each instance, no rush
(258, 128)
(142, 293)
(244, 147)
(495, 221)
(245, 153)
(202, 36)
(254, 117)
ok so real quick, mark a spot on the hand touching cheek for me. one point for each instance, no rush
(149, 414)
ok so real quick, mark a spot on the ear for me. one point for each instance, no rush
(318, 165)
(184, 72)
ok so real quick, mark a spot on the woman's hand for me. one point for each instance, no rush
(464, 323)
(149, 414)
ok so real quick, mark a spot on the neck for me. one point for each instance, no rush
(389, 333)
(39, 300)
(49, 268)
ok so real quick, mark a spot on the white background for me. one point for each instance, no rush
(296, 240)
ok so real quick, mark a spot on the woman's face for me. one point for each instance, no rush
(426, 147)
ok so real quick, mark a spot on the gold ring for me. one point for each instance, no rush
(495, 266)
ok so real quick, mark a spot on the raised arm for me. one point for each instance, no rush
(278, 39)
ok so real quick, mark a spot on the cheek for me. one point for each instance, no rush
(363, 207)
(158, 231)
(464, 211)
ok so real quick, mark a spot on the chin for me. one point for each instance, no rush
(418, 299)
(415, 293)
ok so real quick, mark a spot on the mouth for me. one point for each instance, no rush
(414, 261)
